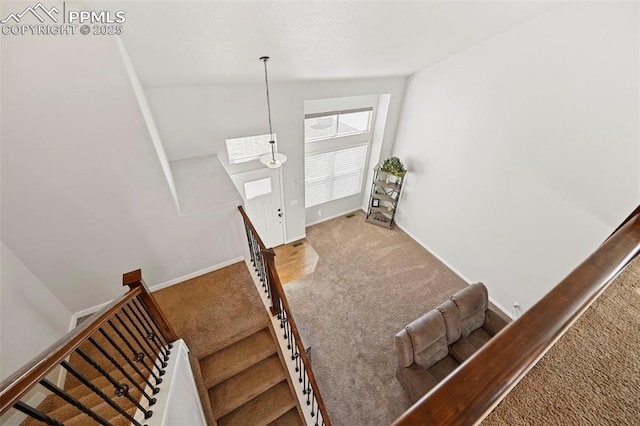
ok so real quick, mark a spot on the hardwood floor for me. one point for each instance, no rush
(295, 260)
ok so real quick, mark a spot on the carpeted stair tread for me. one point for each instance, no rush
(263, 409)
(227, 362)
(290, 418)
(103, 384)
(230, 340)
(91, 401)
(244, 386)
(106, 412)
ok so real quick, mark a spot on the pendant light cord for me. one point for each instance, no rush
(264, 59)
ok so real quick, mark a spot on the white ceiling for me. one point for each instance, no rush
(207, 42)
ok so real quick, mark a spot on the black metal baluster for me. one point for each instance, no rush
(308, 392)
(158, 330)
(98, 392)
(145, 339)
(121, 389)
(71, 400)
(151, 334)
(144, 351)
(130, 362)
(34, 413)
(137, 356)
(304, 382)
(122, 370)
(249, 240)
(313, 403)
(288, 335)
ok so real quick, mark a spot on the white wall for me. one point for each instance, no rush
(31, 316)
(84, 196)
(196, 121)
(523, 151)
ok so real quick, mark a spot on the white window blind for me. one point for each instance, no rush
(333, 175)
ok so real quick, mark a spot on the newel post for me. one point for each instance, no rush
(274, 280)
(133, 280)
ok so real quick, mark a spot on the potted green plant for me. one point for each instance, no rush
(394, 166)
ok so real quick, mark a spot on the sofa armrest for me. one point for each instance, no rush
(415, 380)
(493, 323)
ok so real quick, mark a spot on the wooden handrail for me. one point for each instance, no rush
(305, 359)
(278, 298)
(478, 385)
(635, 212)
(134, 280)
(18, 384)
(253, 230)
(274, 279)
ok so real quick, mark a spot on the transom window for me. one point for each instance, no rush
(241, 150)
(333, 124)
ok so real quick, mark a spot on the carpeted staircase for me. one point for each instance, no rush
(66, 413)
(247, 385)
(237, 366)
(239, 372)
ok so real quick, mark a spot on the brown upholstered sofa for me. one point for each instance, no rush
(435, 344)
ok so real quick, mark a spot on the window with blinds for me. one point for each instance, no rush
(334, 174)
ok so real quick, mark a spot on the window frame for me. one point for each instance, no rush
(340, 142)
(337, 133)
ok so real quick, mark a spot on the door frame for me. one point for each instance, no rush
(246, 175)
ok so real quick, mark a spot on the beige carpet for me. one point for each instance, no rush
(592, 375)
(212, 309)
(368, 284)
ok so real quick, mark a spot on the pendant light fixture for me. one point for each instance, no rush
(275, 159)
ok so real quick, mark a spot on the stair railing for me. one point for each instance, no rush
(469, 394)
(127, 343)
(263, 260)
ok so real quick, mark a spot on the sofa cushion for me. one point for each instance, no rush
(428, 336)
(441, 369)
(478, 338)
(472, 302)
(449, 312)
(462, 350)
(416, 380)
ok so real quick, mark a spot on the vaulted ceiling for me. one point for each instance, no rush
(180, 43)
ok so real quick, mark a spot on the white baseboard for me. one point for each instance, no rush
(324, 219)
(499, 306)
(436, 255)
(94, 309)
(448, 265)
(83, 313)
(196, 274)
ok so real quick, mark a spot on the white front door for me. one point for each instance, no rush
(260, 190)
